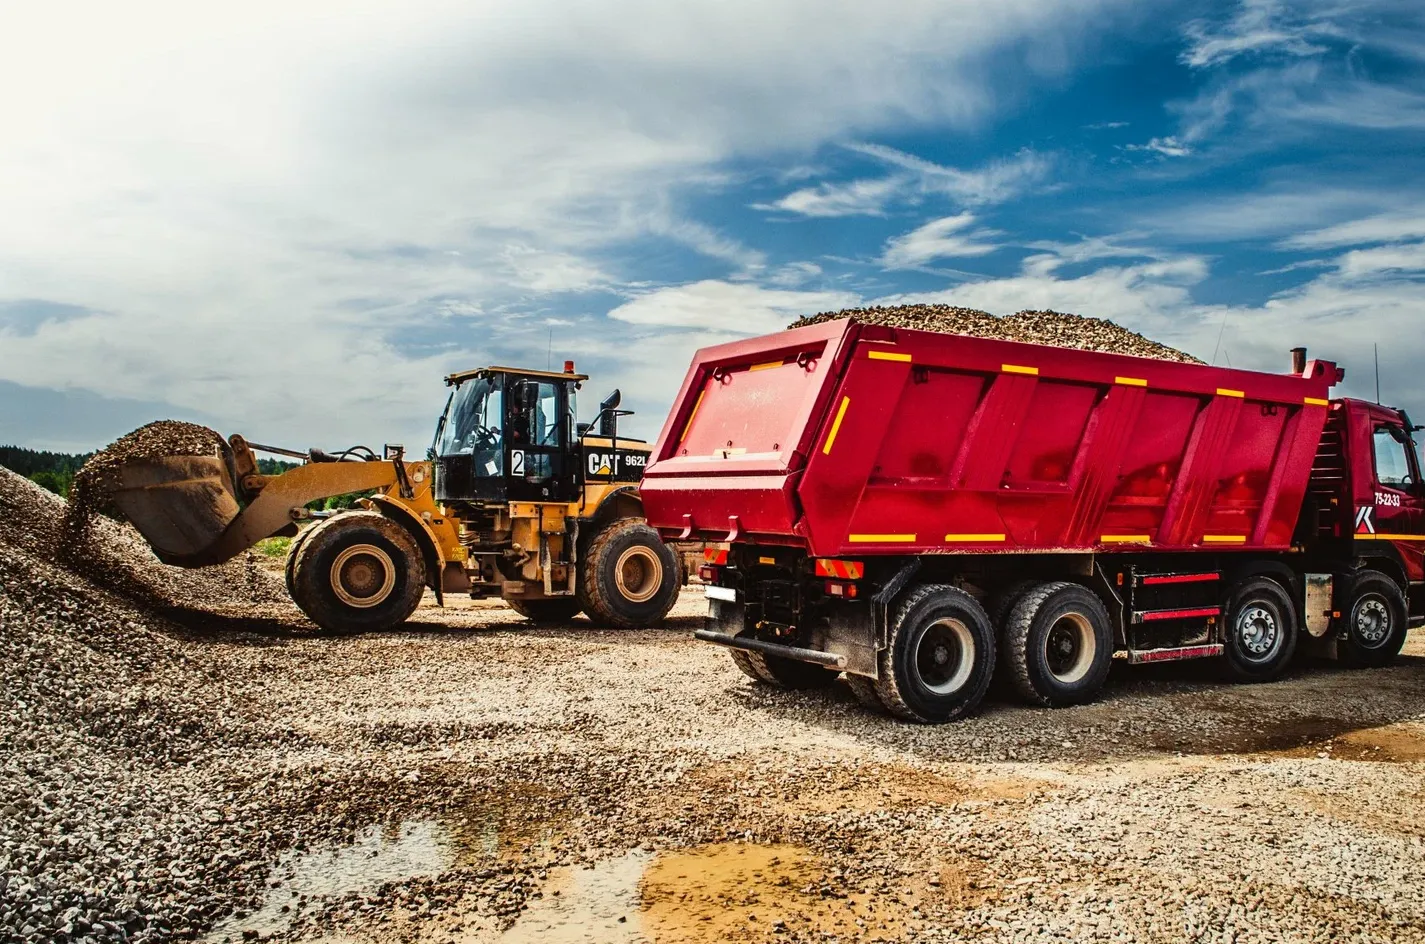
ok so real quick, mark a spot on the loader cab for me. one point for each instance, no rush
(507, 435)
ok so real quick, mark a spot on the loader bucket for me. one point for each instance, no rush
(180, 504)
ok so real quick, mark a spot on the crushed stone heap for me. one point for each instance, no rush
(1059, 329)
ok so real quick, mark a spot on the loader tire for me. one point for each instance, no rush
(628, 577)
(358, 572)
(292, 551)
(1373, 629)
(1259, 632)
(1057, 645)
(548, 612)
(940, 657)
(864, 691)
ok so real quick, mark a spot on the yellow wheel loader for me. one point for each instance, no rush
(517, 500)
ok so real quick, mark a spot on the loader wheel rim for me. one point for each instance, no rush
(638, 574)
(945, 656)
(1372, 621)
(1070, 647)
(1257, 629)
(363, 576)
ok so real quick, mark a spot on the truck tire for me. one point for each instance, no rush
(1374, 625)
(1260, 631)
(1002, 601)
(781, 673)
(1057, 645)
(939, 658)
(864, 690)
(358, 571)
(744, 664)
(628, 577)
(547, 612)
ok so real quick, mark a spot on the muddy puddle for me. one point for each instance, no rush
(300, 881)
(1307, 736)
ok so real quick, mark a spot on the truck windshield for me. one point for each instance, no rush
(472, 426)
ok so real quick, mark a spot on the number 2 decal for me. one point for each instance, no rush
(517, 462)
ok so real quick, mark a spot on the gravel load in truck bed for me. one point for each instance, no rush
(1035, 327)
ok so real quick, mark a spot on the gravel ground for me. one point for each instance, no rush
(203, 763)
(1034, 327)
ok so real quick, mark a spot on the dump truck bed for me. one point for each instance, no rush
(853, 439)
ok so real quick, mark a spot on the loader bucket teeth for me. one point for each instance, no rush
(180, 504)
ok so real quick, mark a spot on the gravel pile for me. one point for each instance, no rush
(1034, 327)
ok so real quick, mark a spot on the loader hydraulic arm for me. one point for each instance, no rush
(281, 498)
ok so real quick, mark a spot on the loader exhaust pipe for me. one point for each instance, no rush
(1298, 360)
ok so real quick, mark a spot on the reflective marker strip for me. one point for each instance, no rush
(1126, 539)
(836, 426)
(1017, 369)
(973, 538)
(1153, 616)
(888, 356)
(1317, 401)
(1389, 537)
(1225, 392)
(881, 538)
(1131, 381)
(1180, 578)
(1224, 539)
(767, 366)
(689, 425)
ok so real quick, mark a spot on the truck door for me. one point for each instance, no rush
(1398, 513)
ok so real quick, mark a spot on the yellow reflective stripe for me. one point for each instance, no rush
(767, 366)
(973, 538)
(836, 426)
(1126, 539)
(689, 425)
(1225, 392)
(881, 538)
(1390, 537)
(1224, 539)
(888, 356)
(1317, 401)
(1017, 369)
(1131, 381)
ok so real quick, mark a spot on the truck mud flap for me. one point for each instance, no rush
(830, 660)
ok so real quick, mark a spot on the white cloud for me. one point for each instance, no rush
(732, 307)
(1381, 228)
(854, 198)
(1257, 27)
(995, 182)
(1364, 263)
(938, 239)
(299, 217)
(1168, 147)
(916, 178)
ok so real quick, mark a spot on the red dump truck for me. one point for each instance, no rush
(920, 510)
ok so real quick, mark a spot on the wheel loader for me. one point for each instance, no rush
(516, 499)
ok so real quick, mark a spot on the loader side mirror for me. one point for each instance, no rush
(608, 422)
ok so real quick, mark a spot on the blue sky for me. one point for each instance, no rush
(294, 225)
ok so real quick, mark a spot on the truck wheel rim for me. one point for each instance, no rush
(1257, 629)
(945, 656)
(1070, 647)
(1372, 621)
(638, 574)
(363, 576)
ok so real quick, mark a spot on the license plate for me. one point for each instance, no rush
(726, 594)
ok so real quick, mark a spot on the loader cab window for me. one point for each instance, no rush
(473, 424)
(1392, 454)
